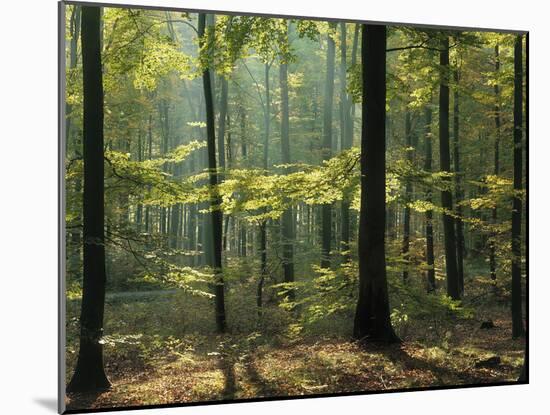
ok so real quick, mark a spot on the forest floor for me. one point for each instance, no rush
(199, 367)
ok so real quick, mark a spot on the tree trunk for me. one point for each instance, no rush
(517, 319)
(263, 266)
(89, 374)
(430, 273)
(327, 148)
(458, 185)
(221, 125)
(372, 316)
(408, 196)
(74, 260)
(287, 226)
(263, 224)
(492, 247)
(345, 136)
(215, 200)
(453, 287)
(148, 227)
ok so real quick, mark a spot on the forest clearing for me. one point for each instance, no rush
(265, 207)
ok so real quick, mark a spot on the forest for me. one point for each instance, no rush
(277, 207)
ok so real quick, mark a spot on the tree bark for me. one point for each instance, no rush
(345, 136)
(326, 209)
(89, 374)
(494, 213)
(430, 273)
(458, 184)
(453, 287)
(263, 224)
(287, 226)
(517, 318)
(221, 125)
(215, 200)
(408, 196)
(372, 316)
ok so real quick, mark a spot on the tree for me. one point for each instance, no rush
(89, 374)
(76, 242)
(372, 315)
(408, 196)
(345, 136)
(494, 212)
(263, 223)
(326, 212)
(215, 199)
(453, 288)
(517, 319)
(430, 272)
(287, 226)
(458, 184)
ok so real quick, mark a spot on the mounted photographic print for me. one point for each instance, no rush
(266, 207)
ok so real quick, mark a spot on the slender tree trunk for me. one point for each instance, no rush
(73, 60)
(430, 273)
(222, 118)
(263, 224)
(494, 213)
(139, 208)
(287, 226)
(326, 217)
(458, 185)
(517, 318)
(221, 125)
(345, 136)
(523, 376)
(408, 196)
(244, 149)
(267, 116)
(75, 235)
(215, 200)
(89, 373)
(148, 227)
(453, 287)
(263, 266)
(165, 130)
(372, 316)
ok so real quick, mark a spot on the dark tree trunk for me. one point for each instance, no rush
(430, 273)
(215, 200)
(517, 319)
(458, 185)
(523, 376)
(175, 213)
(408, 196)
(453, 287)
(326, 215)
(287, 226)
(494, 213)
(372, 316)
(89, 373)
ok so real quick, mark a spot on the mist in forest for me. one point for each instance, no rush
(266, 207)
